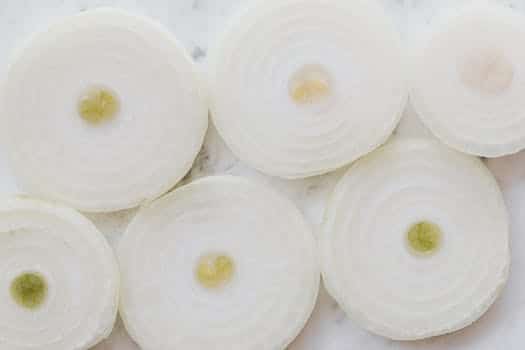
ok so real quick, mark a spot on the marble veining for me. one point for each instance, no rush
(196, 23)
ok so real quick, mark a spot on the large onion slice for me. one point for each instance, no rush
(103, 111)
(59, 278)
(469, 81)
(301, 87)
(415, 240)
(221, 263)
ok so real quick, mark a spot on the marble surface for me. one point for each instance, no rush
(196, 23)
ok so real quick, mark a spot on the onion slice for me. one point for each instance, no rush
(469, 81)
(302, 87)
(415, 240)
(103, 111)
(221, 263)
(59, 278)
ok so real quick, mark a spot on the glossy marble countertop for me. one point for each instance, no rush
(196, 23)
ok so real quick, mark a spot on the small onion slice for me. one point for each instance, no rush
(469, 81)
(221, 263)
(302, 87)
(103, 112)
(59, 278)
(415, 240)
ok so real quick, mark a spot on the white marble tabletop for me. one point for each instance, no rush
(196, 23)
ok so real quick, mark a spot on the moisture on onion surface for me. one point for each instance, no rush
(469, 81)
(59, 278)
(103, 111)
(221, 263)
(302, 87)
(415, 240)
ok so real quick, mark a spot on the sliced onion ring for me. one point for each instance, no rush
(302, 87)
(78, 274)
(252, 245)
(415, 240)
(103, 112)
(469, 81)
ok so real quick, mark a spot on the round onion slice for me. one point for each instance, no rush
(469, 81)
(221, 263)
(59, 278)
(302, 87)
(104, 111)
(415, 240)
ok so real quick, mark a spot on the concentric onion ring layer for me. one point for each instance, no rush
(137, 155)
(268, 298)
(370, 270)
(469, 81)
(78, 266)
(356, 110)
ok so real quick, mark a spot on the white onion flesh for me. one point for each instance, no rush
(79, 268)
(469, 81)
(351, 53)
(275, 282)
(367, 264)
(139, 154)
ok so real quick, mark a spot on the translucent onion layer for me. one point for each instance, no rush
(218, 229)
(469, 81)
(302, 87)
(103, 111)
(415, 240)
(61, 255)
